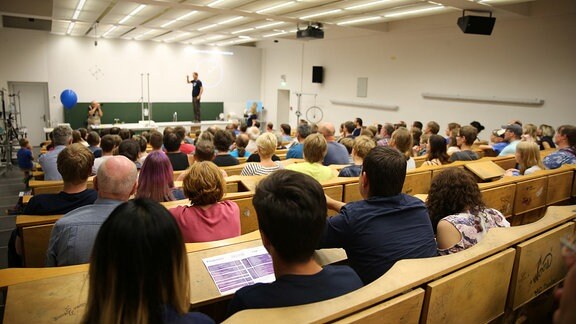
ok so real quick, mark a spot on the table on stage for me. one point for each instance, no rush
(145, 125)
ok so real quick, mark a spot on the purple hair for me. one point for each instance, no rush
(156, 178)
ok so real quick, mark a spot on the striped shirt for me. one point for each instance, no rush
(258, 169)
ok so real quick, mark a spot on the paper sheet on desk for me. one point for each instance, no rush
(232, 271)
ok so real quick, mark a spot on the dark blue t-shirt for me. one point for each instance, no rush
(379, 231)
(337, 154)
(291, 290)
(295, 151)
(196, 85)
(60, 203)
(351, 171)
(25, 158)
(170, 316)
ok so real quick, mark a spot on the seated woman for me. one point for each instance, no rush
(528, 158)
(156, 179)
(208, 218)
(465, 139)
(436, 149)
(314, 151)
(241, 143)
(546, 137)
(139, 269)
(266, 146)
(402, 141)
(458, 214)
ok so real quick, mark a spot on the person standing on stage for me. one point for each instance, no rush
(94, 114)
(197, 90)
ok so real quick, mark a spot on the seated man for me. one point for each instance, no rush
(108, 143)
(291, 213)
(295, 151)
(465, 141)
(62, 136)
(222, 141)
(361, 147)
(565, 140)
(73, 235)
(178, 159)
(315, 149)
(512, 135)
(75, 165)
(387, 225)
(337, 153)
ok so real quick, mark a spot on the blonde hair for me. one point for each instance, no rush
(315, 148)
(363, 145)
(402, 141)
(530, 130)
(547, 130)
(266, 143)
(529, 155)
(204, 183)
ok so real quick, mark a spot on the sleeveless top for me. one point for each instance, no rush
(471, 228)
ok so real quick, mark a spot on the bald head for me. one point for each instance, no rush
(327, 129)
(116, 178)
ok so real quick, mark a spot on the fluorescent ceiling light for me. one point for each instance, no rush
(275, 7)
(411, 12)
(179, 18)
(270, 24)
(322, 14)
(70, 27)
(241, 31)
(109, 31)
(230, 20)
(78, 9)
(366, 4)
(275, 34)
(359, 20)
(211, 52)
(207, 27)
(215, 3)
(244, 37)
(133, 13)
(143, 34)
(215, 37)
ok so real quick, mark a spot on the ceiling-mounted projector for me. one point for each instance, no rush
(476, 24)
(311, 32)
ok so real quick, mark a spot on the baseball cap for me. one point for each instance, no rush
(515, 128)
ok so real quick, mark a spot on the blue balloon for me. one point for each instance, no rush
(68, 98)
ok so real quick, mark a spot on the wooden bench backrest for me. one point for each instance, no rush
(34, 244)
(559, 188)
(405, 308)
(485, 170)
(505, 162)
(233, 170)
(538, 266)
(417, 182)
(474, 294)
(500, 198)
(530, 194)
(352, 192)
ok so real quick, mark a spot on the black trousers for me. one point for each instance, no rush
(196, 105)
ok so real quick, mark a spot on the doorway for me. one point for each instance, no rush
(283, 107)
(34, 108)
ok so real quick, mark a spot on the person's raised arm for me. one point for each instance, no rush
(187, 79)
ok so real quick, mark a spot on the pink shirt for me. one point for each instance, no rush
(220, 221)
(187, 148)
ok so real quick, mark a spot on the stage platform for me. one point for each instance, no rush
(149, 125)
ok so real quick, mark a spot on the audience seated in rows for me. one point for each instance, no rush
(315, 148)
(93, 140)
(139, 269)
(459, 216)
(384, 227)
(62, 136)
(295, 151)
(528, 158)
(402, 141)
(178, 159)
(565, 140)
(385, 134)
(362, 146)
(208, 218)
(77, 138)
(73, 235)
(108, 143)
(266, 144)
(240, 149)
(512, 135)
(222, 141)
(465, 140)
(436, 151)
(131, 150)
(432, 127)
(337, 153)
(156, 179)
(156, 140)
(291, 212)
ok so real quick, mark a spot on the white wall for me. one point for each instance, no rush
(111, 71)
(526, 57)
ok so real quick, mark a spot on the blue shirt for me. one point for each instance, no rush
(337, 154)
(379, 231)
(563, 156)
(295, 151)
(351, 171)
(290, 290)
(234, 153)
(510, 149)
(498, 147)
(48, 163)
(74, 234)
(25, 158)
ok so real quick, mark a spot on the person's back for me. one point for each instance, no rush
(74, 163)
(62, 135)
(314, 150)
(73, 235)
(291, 212)
(387, 225)
(222, 142)
(178, 159)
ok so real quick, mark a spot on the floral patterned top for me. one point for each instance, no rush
(562, 156)
(471, 228)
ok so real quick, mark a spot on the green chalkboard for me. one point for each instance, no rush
(130, 112)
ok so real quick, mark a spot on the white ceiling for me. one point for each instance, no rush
(226, 22)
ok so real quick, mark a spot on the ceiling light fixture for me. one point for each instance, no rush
(241, 31)
(78, 9)
(275, 34)
(325, 13)
(270, 25)
(215, 3)
(207, 27)
(133, 13)
(70, 27)
(113, 28)
(278, 6)
(359, 20)
(411, 12)
(366, 5)
(230, 20)
(178, 19)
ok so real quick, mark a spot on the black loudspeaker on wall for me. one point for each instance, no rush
(317, 74)
(476, 24)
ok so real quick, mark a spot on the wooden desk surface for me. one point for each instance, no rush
(485, 170)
